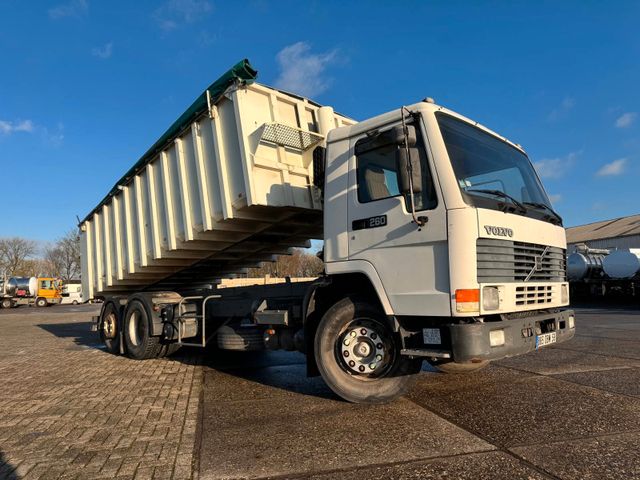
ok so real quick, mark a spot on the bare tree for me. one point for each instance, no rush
(34, 267)
(298, 264)
(14, 252)
(63, 258)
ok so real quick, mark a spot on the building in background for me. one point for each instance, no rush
(616, 234)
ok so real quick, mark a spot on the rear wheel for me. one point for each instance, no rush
(137, 333)
(110, 328)
(6, 303)
(75, 302)
(41, 302)
(358, 354)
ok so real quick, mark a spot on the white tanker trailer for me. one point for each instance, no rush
(622, 264)
(585, 265)
(603, 272)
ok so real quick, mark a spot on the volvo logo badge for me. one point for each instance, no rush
(537, 264)
(498, 231)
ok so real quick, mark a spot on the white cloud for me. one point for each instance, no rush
(626, 119)
(103, 52)
(51, 136)
(54, 137)
(174, 13)
(74, 8)
(555, 167)
(555, 198)
(563, 109)
(303, 72)
(7, 127)
(614, 168)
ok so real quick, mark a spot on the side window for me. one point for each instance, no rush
(45, 284)
(377, 173)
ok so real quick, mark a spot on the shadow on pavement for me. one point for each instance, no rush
(80, 332)
(258, 372)
(7, 471)
(285, 371)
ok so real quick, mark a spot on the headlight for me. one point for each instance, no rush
(490, 298)
(564, 294)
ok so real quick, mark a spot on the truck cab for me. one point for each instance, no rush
(470, 265)
(49, 291)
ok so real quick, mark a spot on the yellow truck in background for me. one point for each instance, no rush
(40, 291)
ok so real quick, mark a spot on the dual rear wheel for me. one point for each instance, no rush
(135, 327)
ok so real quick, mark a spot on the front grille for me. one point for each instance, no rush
(534, 295)
(508, 261)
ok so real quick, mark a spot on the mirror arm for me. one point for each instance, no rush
(418, 220)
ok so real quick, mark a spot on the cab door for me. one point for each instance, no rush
(411, 261)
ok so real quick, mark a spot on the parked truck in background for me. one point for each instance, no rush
(440, 243)
(604, 273)
(40, 291)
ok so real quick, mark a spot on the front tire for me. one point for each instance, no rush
(358, 354)
(41, 302)
(137, 333)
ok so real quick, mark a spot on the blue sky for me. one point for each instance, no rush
(86, 86)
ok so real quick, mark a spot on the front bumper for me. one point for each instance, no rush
(471, 341)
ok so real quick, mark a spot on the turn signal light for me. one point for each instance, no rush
(468, 301)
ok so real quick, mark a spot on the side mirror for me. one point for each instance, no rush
(398, 137)
(409, 165)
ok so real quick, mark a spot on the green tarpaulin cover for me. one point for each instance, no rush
(242, 73)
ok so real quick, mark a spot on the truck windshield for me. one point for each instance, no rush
(486, 166)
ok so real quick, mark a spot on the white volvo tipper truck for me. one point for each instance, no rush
(440, 243)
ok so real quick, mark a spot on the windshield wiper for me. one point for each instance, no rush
(501, 194)
(554, 215)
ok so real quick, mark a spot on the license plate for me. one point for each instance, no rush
(545, 339)
(431, 336)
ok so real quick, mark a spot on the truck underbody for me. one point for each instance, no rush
(286, 316)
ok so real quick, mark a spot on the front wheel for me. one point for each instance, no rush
(358, 354)
(41, 302)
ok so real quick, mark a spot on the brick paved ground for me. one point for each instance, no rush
(70, 410)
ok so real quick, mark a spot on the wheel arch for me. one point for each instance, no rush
(326, 292)
(117, 303)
